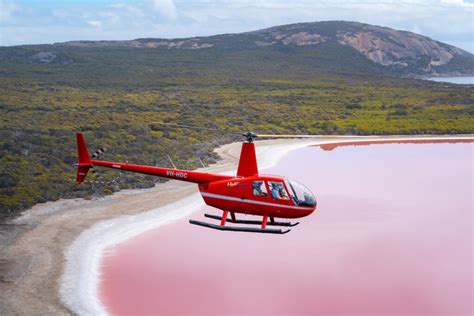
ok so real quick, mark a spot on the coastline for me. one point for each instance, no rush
(57, 243)
(454, 79)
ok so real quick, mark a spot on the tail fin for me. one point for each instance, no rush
(84, 160)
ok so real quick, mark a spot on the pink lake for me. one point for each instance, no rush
(392, 235)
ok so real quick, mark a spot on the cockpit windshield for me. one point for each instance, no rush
(300, 194)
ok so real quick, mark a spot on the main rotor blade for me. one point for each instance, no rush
(200, 127)
(288, 136)
(249, 135)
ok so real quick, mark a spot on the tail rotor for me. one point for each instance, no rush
(85, 163)
(95, 171)
(98, 152)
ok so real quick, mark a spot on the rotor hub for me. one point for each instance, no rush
(250, 136)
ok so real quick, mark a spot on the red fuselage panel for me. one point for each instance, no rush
(238, 195)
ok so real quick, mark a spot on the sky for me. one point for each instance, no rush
(49, 21)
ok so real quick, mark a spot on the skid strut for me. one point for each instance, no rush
(264, 221)
(224, 217)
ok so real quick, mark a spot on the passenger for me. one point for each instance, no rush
(275, 192)
(257, 190)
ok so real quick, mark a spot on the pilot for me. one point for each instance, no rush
(282, 193)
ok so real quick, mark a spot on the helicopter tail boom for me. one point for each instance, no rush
(176, 174)
(85, 163)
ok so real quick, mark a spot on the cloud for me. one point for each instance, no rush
(461, 3)
(132, 10)
(165, 8)
(7, 9)
(94, 23)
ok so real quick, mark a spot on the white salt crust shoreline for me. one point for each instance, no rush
(81, 278)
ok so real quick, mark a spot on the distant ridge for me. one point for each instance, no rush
(396, 52)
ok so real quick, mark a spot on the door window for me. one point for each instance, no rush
(277, 189)
(259, 189)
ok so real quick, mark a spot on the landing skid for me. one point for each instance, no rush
(242, 221)
(239, 229)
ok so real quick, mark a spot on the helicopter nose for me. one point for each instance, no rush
(315, 206)
(311, 210)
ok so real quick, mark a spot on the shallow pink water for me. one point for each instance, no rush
(392, 236)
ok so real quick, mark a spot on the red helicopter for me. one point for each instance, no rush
(247, 193)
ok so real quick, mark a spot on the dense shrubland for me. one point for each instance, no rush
(118, 97)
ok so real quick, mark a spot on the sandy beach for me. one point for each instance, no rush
(42, 266)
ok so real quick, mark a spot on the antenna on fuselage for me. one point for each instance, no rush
(202, 163)
(169, 158)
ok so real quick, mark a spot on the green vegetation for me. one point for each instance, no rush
(117, 97)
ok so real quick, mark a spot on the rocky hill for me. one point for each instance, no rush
(396, 52)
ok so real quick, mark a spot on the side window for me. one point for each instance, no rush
(259, 189)
(277, 189)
